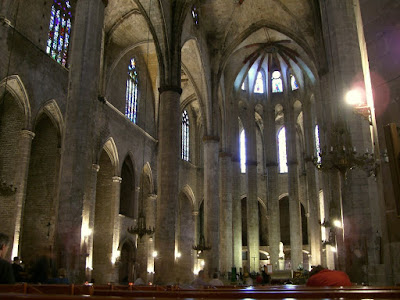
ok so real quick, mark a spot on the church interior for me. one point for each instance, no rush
(155, 139)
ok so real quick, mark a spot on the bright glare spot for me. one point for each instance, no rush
(354, 97)
(202, 263)
(337, 223)
(155, 253)
(178, 255)
(333, 249)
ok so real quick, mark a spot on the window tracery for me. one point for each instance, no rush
(59, 31)
(131, 92)
(185, 136)
(277, 86)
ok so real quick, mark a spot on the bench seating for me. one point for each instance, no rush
(113, 292)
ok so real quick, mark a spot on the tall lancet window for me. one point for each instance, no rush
(317, 144)
(185, 136)
(59, 31)
(259, 86)
(131, 92)
(242, 152)
(283, 168)
(293, 83)
(276, 82)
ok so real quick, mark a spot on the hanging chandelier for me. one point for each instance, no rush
(342, 156)
(140, 228)
(201, 246)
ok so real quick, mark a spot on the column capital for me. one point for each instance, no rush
(152, 196)
(210, 138)
(172, 88)
(27, 133)
(95, 167)
(117, 179)
(195, 213)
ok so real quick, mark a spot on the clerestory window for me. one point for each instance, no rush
(131, 96)
(59, 31)
(259, 86)
(283, 168)
(185, 136)
(276, 81)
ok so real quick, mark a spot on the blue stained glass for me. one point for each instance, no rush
(59, 31)
(293, 83)
(276, 82)
(185, 136)
(131, 92)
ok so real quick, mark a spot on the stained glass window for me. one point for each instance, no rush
(59, 31)
(259, 86)
(195, 15)
(242, 152)
(131, 92)
(276, 82)
(242, 87)
(283, 168)
(185, 136)
(317, 144)
(293, 82)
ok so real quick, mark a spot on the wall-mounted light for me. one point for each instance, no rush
(154, 254)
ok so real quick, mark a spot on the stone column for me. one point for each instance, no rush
(314, 228)
(195, 261)
(236, 213)
(296, 242)
(168, 178)
(150, 222)
(88, 221)
(211, 202)
(116, 193)
(274, 228)
(76, 157)
(21, 178)
(225, 250)
(253, 240)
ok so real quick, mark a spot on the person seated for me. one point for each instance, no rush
(6, 271)
(215, 281)
(320, 276)
(200, 281)
(139, 281)
(17, 269)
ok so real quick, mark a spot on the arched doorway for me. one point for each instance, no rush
(127, 263)
(40, 210)
(103, 221)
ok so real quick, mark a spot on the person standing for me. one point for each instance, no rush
(6, 271)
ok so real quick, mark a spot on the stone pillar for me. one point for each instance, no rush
(225, 250)
(195, 261)
(211, 202)
(236, 213)
(150, 222)
(274, 228)
(168, 178)
(253, 240)
(21, 178)
(88, 221)
(116, 193)
(296, 241)
(314, 228)
(76, 157)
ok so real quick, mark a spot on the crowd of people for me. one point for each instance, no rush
(40, 273)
